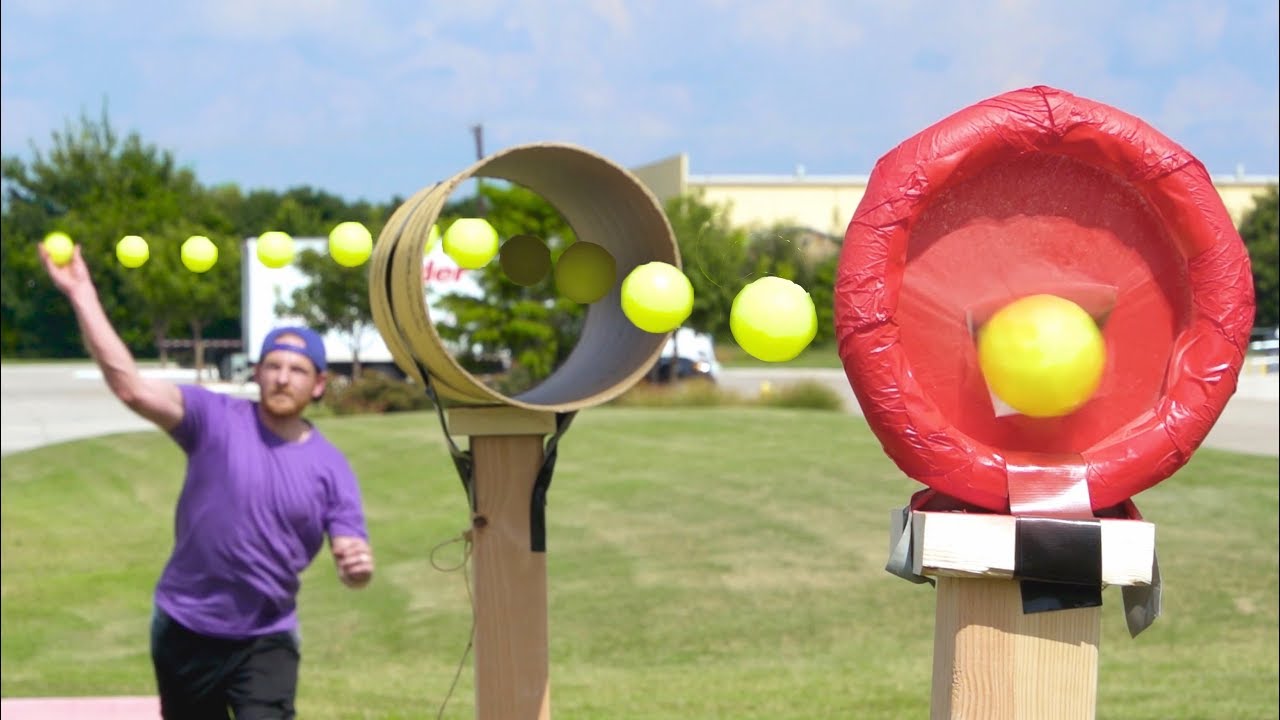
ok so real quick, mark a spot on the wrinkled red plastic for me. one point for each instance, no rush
(1038, 190)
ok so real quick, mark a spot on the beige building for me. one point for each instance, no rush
(825, 204)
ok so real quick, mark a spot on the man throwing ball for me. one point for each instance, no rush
(262, 489)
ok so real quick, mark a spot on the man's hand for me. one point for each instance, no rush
(71, 278)
(354, 559)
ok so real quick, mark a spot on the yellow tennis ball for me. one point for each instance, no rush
(1042, 355)
(199, 253)
(471, 242)
(773, 319)
(657, 297)
(275, 249)
(525, 259)
(59, 246)
(585, 272)
(433, 238)
(350, 244)
(132, 251)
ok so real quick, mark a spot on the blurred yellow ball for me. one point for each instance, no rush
(132, 251)
(433, 238)
(657, 297)
(59, 246)
(525, 259)
(471, 242)
(275, 249)
(773, 319)
(350, 244)
(199, 253)
(585, 272)
(1042, 355)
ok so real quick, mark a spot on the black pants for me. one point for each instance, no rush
(201, 677)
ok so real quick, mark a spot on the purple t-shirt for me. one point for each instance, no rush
(252, 515)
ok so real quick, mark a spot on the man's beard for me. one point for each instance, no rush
(282, 405)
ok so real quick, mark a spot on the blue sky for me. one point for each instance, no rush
(375, 99)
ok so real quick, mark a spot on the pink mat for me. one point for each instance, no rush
(98, 708)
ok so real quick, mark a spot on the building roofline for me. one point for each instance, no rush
(1225, 179)
(778, 179)
(762, 179)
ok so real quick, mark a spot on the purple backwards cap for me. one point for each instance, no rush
(312, 347)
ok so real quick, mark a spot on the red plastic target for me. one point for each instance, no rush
(1034, 191)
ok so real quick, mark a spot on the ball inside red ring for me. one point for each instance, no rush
(1064, 176)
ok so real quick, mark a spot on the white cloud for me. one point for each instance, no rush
(804, 26)
(346, 23)
(613, 12)
(1164, 35)
(255, 88)
(1213, 106)
(25, 120)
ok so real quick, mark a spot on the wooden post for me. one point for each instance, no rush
(992, 661)
(512, 676)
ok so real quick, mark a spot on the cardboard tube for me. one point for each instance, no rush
(604, 204)
(380, 289)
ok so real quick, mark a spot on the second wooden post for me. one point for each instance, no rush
(512, 678)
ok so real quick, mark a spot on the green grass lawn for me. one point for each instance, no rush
(704, 563)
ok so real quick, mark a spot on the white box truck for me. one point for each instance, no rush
(695, 355)
(263, 288)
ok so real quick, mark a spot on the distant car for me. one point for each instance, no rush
(686, 369)
(1264, 349)
(1267, 339)
(694, 356)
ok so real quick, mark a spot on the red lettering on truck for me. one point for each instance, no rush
(431, 272)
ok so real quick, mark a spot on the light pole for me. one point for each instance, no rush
(477, 131)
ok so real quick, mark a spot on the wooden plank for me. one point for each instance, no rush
(994, 662)
(511, 653)
(982, 545)
(499, 420)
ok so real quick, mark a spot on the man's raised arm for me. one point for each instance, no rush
(156, 400)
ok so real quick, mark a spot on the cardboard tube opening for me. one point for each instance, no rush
(603, 204)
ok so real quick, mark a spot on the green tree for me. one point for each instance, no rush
(250, 214)
(713, 253)
(777, 251)
(822, 290)
(534, 325)
(798, 255)
(306, 212)
(176, 300)
(301, 211)
(1259, 231)
(98, 187)
(334, 298)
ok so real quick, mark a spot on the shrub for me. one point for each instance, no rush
(688, 393)
(375, 392)
(809, 394)
(513, 382)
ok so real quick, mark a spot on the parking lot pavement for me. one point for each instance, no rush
(1249, 424)
(41, 404)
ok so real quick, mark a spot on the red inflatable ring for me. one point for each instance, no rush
(1038, 190)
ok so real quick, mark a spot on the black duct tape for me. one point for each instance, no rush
(1059, 563)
